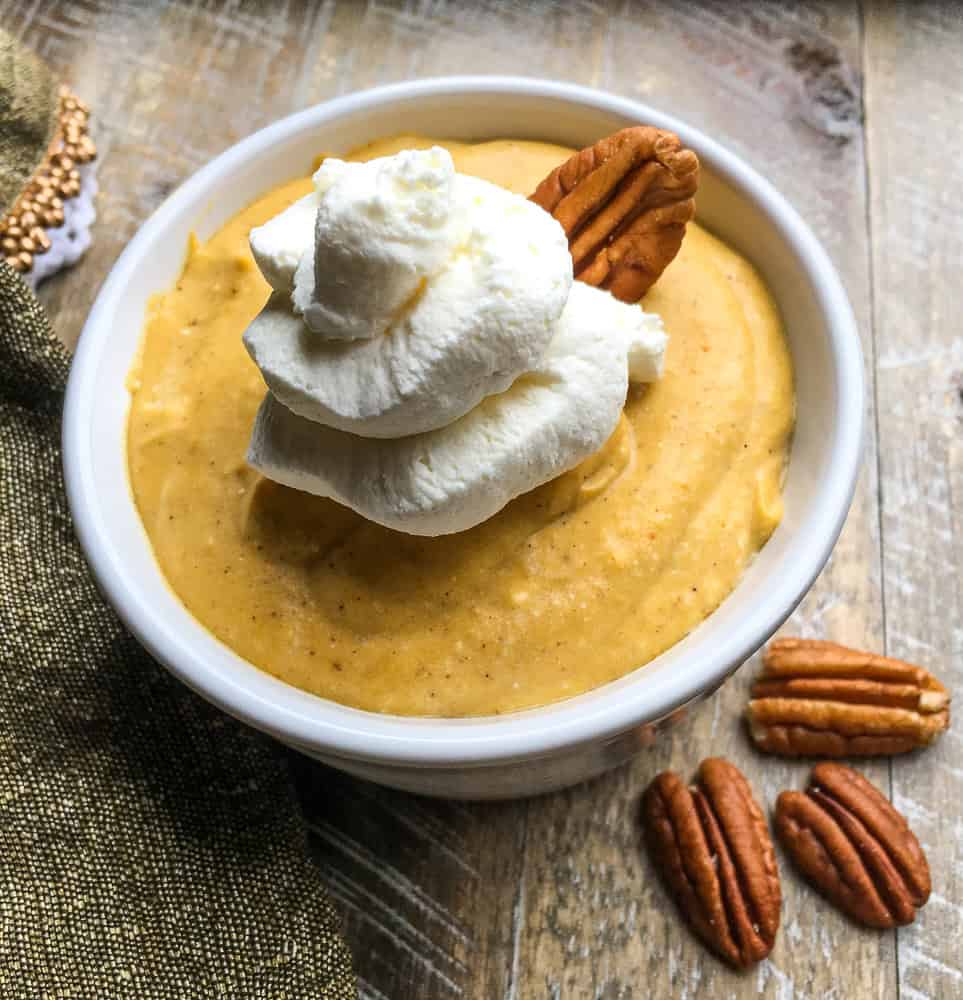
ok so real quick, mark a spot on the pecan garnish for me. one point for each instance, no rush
(847, 838)
(827, 700)
(711, 845)
(624, 204)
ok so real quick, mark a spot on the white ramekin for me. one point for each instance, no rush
(526, 752)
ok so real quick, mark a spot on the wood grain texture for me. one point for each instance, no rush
(914, 67)
(553, 897)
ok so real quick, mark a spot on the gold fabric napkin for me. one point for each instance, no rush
(28, 116)
(151, 847)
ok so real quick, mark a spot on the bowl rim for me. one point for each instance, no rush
(326, 727)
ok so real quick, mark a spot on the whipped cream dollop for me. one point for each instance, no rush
(427, 354)
(416, 293)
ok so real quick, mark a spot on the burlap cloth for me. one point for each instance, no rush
(150, 846)
(28, 107)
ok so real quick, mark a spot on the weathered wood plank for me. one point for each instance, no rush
(550, 898)
(915, 105)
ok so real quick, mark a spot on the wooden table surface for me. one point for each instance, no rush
(854, 112)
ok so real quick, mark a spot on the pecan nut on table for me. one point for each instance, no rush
(822, 699)
(849, 841)
(712, 847)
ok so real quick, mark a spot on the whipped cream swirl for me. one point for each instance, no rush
(427, 354)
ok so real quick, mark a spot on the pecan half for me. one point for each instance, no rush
(711, 845)
(624, 204)
(849, 841)
(827, 700)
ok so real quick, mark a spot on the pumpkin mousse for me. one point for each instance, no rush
(405, 456)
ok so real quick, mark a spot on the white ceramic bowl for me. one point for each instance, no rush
(531, 751)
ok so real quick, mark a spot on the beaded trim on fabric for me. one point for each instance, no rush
(23, 231)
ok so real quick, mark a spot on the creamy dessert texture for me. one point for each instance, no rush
(570, 585)
(430, 357)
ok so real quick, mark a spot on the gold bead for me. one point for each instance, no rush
(57, 172)
(26, 259)
(56, 202)
(73, 175)
(66, 162)
(27, 244)
(43, 196)
(14, 263)
(28, 219)
(41, 239)
(14, 231)
(57, 215)
(9, 244)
